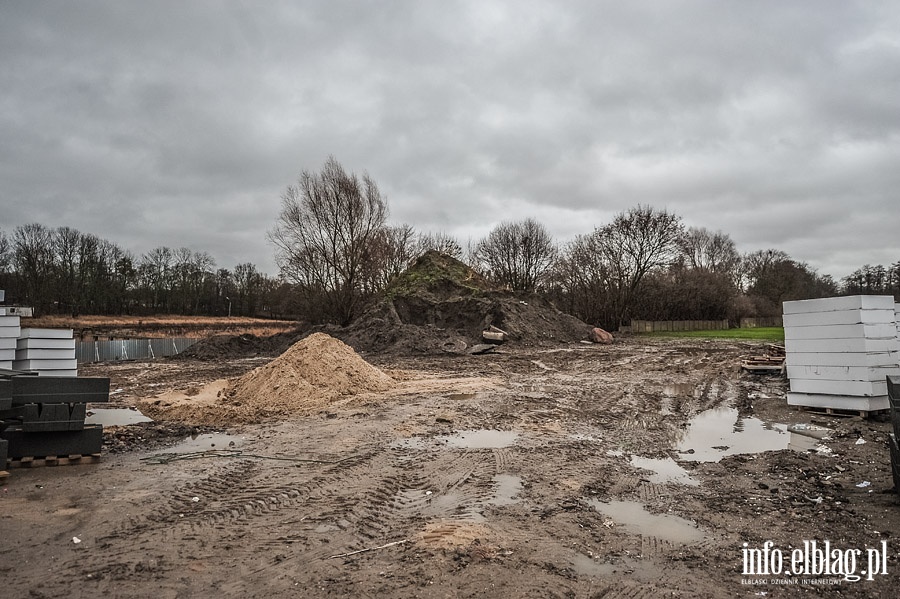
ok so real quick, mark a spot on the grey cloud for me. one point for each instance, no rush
(172, 123)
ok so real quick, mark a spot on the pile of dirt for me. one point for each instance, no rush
(441, 305)
(308, 376)
(246, 345)
(317, 372)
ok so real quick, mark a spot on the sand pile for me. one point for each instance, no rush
(311, 374)
(314, 373)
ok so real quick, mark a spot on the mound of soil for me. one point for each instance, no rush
(309, 375)
(441, 305)
(242, 346)
(312, 374)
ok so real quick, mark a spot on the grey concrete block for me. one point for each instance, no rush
(59, 389)
(62, 443)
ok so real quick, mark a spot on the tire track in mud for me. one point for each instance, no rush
(624, 589)
(231, 496)
(436, 485)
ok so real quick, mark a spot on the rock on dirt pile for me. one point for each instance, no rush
(311, 374)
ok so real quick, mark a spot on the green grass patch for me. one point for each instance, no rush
(757, 334)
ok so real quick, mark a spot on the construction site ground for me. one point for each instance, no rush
(568, 470)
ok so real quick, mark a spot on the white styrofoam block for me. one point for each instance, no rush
(7, 354)
(65, 365)
(843, 359)
(847, 302)
(842, 373)
(843, 331)
(8, 342)
(2, 311)
(839, 317)
(58, 372)
(852, 388)
(32, 333)
(10, 321)
(45, 354)
(5, 364)
(841, 345)
(45, 344)
(838, 402)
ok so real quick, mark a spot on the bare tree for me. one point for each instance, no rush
(5, 253)
(33, 261)
(327, 224)
(712, 252)
(518, 255)
(635, 243)
(439, 242)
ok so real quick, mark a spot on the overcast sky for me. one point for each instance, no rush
(181, 123)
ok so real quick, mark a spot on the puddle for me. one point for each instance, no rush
(679, 389)
(115, 416)
(665, 470)
(210, 441)
(720, 432)
(643, 570)
(508, 489)
(470, 439)
(636, 519)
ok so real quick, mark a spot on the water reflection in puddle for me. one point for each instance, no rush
(115, 416)
(637, 520)
(209, 441)
(665, 470)
(720, 432)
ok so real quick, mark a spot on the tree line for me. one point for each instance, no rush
(335, 250)
(64, 271)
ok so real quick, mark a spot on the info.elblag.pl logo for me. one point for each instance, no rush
(815, 562)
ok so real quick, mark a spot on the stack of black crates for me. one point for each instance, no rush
(42, 417)
(893, 385)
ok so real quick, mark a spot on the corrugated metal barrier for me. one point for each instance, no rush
(130, 349)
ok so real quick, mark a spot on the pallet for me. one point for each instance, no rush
(840, 413)
(52, 460)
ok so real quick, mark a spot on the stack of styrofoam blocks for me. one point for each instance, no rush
(47, 352)
(9, 331)
(839, 351)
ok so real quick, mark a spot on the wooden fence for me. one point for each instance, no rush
(656, 326)
(762, 321)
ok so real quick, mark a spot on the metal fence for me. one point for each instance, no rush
(130, 349)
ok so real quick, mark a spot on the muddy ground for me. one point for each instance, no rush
(567, 471)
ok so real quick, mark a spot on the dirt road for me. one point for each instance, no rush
(630, 470)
